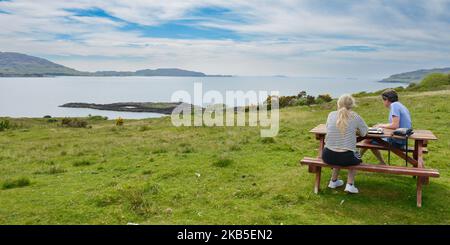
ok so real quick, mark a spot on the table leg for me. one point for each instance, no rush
(420, 164)
(321, 146)
(317, 180)
(416, 150)
(318, 170)
(419, 192)
(419, 153)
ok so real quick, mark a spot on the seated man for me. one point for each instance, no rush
(399, 117)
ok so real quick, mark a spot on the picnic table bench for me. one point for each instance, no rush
(420, 138)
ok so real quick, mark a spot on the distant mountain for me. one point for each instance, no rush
(413, 76)
(170, 72)
(16, 64)
(22, 65)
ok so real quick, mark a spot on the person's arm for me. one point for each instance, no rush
(328, 120)
(394, 125)
(395, 117)
(362, 127)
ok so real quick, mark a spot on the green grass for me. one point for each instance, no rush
(15, 183)
(149, 172)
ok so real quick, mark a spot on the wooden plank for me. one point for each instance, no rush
(363, 144)
(319, 129)
(419, 134)
(376, 168)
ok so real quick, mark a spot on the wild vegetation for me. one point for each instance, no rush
(150, 172)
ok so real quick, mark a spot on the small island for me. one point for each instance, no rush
(155, 107)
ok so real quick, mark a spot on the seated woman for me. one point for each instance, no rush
(340, 142)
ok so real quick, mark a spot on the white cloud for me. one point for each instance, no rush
(278, 37)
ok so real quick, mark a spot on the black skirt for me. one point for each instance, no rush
(346, 158)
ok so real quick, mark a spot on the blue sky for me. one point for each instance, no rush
(365, 38)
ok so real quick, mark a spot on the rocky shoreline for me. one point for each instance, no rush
(155, 107)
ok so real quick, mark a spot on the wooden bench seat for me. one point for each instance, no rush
(423, 174)
(363, 144)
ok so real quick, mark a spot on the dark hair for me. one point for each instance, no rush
(390, 95)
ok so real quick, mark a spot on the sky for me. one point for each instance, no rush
(325, 38)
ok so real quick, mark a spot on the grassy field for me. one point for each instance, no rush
(149, 172)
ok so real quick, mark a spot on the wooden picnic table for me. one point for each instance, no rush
(420, 138)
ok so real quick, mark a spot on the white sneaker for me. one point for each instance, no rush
(335, 184)
(351, 189)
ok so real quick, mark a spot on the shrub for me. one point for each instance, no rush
(302, 94)
(73, 123)
(310, 100)
(324, 98)
(15, 183)
(301, 101)
(47, 116)
(119, 121)
(137, 202)
(285, 101)
(52, 120)
(4, 125)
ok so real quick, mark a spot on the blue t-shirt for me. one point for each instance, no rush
(399, 110)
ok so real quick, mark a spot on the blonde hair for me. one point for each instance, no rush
(344, 105)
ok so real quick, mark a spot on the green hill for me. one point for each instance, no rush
(414, 76)
(22, 65)
(16, 64)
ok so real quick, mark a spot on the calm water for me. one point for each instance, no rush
(36, 97)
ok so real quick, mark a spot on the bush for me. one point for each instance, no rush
(52, 120)
(285, 101)
(73, 123)
(47, 116)
(302, 94)
(324, 98)
(310, 100)
(301, 101)
(15, 183)
(119, 121)
(4, 125)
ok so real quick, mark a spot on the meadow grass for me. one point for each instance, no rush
(149, 172)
